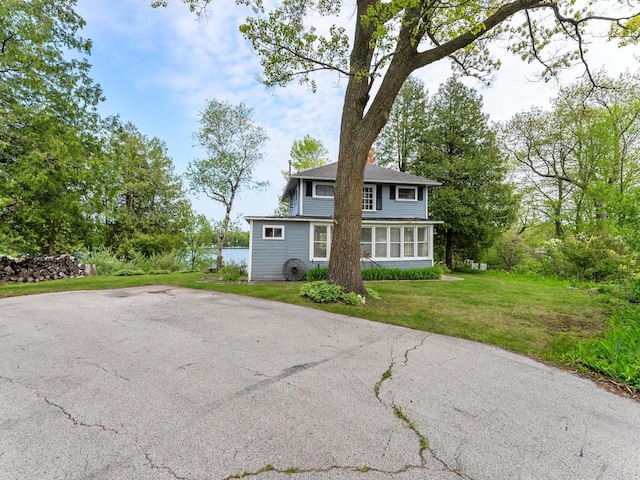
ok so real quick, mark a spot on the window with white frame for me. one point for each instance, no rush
(273, 232)
(395, 242)
(406, 194)
(321, 242)
(366, 242)
(323, 190)
(367, 199)
(381, 242)
(423, 242)
(378, 242)
(409, 239)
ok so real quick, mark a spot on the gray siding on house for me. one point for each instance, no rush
(268, 256)
(391, 208)
(317, 207)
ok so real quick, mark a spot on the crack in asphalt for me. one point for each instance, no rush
(75, 420)
(163, 467)
(407, 422)
(296, 471)
(398, 412)
(111, 372)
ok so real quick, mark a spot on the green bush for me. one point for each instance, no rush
(373, 294)
(129, 272)
(321, 291)
(382, 273)
(352, 298)
(234, 271)
(617, 354)
(105, 260)
(317, 274)
(634, 291)
(109, 263)
(169, 261)
(598, 258)
(324, 292)
(426, 273)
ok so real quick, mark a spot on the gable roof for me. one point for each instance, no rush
(372, 174)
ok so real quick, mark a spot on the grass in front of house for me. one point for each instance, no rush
(543, 318)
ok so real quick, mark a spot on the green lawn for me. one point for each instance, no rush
(534, 317)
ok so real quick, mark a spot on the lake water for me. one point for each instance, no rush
(237, 255)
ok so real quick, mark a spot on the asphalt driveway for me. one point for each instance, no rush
(166, 383)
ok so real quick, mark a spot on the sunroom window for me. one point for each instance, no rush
(366, 238)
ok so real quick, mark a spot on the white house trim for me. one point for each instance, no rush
(301, 196)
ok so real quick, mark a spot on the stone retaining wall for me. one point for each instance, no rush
(27, 269)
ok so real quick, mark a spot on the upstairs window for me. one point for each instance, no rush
(407, 194)
(323, 190)
(367, 199)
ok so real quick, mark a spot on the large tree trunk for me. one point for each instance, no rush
(344, 262)
(358, 131)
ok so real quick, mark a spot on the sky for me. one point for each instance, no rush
(159, 67)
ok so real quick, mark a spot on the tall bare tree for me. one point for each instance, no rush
(234, 144)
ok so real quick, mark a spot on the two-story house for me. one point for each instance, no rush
(396, 229)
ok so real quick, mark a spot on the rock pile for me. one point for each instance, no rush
(39, 269)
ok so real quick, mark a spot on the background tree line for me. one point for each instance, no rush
(554, 192)
(73, 181)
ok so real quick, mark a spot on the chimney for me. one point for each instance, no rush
(371, 156)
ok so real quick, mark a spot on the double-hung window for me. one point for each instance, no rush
(321, 242)
(368, 198)
(366, 239)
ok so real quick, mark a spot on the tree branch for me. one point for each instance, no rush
(466, 39)
(321, 64)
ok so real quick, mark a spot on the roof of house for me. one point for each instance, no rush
(372, 174)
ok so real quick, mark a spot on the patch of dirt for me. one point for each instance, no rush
(567, 323)
(120, 294)
(165, 291)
